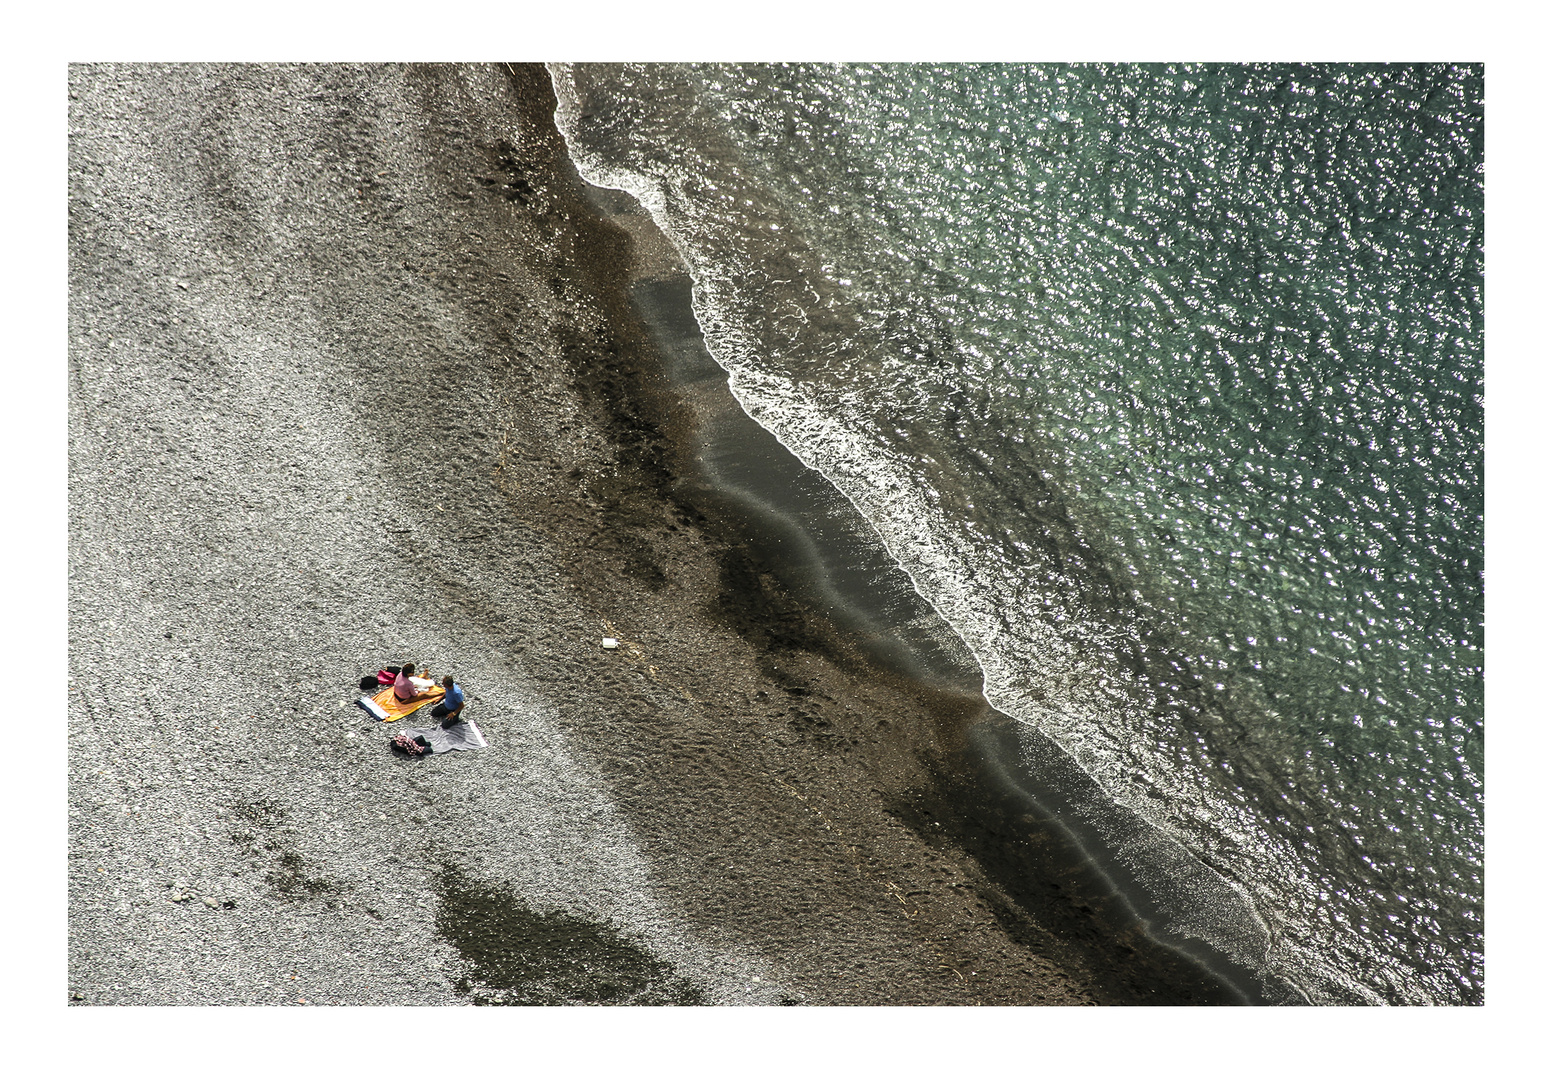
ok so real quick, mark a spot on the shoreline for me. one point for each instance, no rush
(817, 545)
(380, 391)
(1026, 834)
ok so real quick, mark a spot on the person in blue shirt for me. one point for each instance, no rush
(448, 710)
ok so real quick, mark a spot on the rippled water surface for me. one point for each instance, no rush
(1164, 383)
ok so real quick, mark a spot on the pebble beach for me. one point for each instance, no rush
(356, 379)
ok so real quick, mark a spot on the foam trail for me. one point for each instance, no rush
(1222, 915)
(838, 312)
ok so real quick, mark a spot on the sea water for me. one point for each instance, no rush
(1163, 383)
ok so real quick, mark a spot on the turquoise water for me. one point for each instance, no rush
(1164, 384)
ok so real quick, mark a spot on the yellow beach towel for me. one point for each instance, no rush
(385, 706)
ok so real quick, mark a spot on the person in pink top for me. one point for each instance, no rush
(405, 689)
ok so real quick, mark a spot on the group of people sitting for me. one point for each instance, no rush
(408, 687)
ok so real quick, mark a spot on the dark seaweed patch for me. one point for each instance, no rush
(289, 877)
(288, 874)
(262, 812)
(753, 603)
(520, 956)
(1047, 896)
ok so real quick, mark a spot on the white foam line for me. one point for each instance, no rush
(800, 426)
(744, 386)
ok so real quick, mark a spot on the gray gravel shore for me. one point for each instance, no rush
(251, 530)
(346, 390)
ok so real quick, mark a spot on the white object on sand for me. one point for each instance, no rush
(609, 643)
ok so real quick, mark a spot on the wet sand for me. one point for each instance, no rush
(361, 373)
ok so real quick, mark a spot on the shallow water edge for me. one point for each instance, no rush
(1036, 822)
